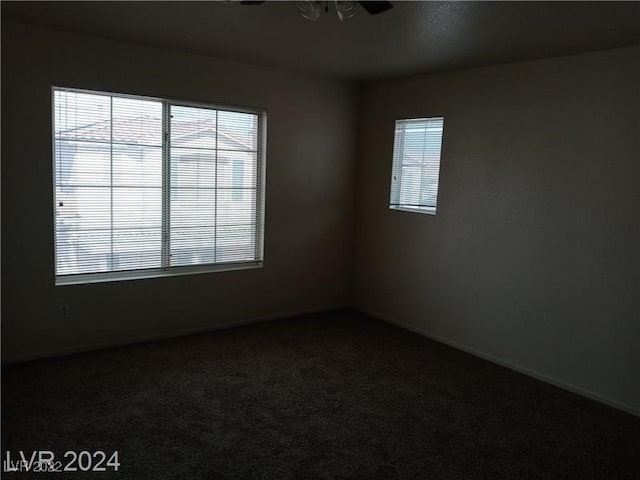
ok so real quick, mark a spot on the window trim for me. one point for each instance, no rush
(180, 270)
(404, 208)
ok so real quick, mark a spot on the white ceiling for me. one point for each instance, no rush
(413, 37)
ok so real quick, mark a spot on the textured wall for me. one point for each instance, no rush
(533, 257)
(309, 195)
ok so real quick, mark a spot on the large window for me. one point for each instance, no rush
(416, 164)
(149, 187)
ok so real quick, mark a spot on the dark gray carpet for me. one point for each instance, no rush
(327, 396)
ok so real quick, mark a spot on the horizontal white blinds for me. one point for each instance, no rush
(416, 163)
(214, 189)
(149, 184)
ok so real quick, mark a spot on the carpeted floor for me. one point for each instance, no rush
(326, 396)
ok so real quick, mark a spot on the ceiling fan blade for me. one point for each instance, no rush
(250, 2)
(376, 7)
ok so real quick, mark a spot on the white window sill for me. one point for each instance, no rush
(152, 273)
(427, 210)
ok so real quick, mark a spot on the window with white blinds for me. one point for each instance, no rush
(147, 187)
(416, 164)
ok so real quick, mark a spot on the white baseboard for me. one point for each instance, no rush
(512, 366)
(175, 334)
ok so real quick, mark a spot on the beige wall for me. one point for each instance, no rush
(533, 258)
(309, 195)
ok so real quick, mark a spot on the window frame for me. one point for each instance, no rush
(169, 271)
(395, 192)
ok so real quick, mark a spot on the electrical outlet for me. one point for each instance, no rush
(63, 312)
(387, 287)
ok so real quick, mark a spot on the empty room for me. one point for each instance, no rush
(320, 240)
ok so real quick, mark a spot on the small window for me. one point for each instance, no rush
(147, 187)
(416, 164)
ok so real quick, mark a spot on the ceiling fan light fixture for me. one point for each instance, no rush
(346, 8)
(309, 9)
(312, 9)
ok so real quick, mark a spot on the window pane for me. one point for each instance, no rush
(82, 251)
(137, 122)
(192, 168)
(108, 183)
(238, 131)
(84, 208)
(82, 164)
(193, 245)
(237, 183)
(137, 207)
(81, 116)
(236, 243)
(213, 166)
(137, 166)
(237, 170)
(236, 211)
(193, 207)
(136, 248)
(193, 127)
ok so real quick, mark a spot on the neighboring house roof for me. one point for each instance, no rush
(144, 130)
